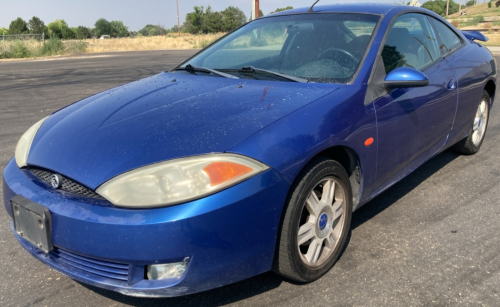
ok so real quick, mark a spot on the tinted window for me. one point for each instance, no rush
(449, 40)
(318, 47)
(411, 43)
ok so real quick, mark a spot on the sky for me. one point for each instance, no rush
(135, 14)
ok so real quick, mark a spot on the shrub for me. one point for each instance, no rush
(455, 23)
(5, 53)
(474, 21)
(52, 46)
(75, 47)
(19, 49)
(258, 42)
(204, 43)
(16, 49)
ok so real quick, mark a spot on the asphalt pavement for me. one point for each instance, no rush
(431, 240)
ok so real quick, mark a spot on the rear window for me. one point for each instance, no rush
(449, 39)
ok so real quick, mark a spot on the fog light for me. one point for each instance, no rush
(167, 270)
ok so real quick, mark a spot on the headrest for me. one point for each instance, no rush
(399, 37)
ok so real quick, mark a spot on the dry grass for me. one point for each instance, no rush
(171, 41)
(32, 48)
(493, 39)
(479, 9)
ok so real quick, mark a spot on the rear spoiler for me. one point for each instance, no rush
(473, 35)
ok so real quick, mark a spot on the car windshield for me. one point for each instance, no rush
(325, 48)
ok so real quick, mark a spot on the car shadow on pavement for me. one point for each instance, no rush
(268, 281)
(216, 297)
(400, 189)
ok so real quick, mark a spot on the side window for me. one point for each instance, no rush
(449, 39)
(410, 43)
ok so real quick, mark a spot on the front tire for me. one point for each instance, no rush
(472, 143)
(316, 223)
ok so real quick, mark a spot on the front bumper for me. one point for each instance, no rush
(229, 236)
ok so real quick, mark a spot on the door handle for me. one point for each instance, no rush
(451, 84)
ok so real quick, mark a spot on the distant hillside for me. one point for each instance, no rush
(479, 9)
(480, 18)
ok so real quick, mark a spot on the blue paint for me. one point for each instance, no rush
(405, 74)
(155, 119)
(323, 220)
(231, 235)
(475, 35)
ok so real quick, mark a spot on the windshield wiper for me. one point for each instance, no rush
(190, 67)
(252, 69)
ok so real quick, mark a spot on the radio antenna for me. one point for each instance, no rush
(311, 8)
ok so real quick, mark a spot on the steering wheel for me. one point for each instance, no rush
(347, 54)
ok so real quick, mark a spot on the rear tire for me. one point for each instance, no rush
(316, 222)
(472, 143)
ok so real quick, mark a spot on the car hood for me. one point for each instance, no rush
(159, 118)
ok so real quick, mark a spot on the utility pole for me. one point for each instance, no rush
(460, 8)
(178, 23)
(447, 7)
(255, 9)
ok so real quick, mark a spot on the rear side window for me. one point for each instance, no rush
(410, 43)
(449, 39)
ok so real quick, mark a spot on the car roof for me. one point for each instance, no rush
(367, 8)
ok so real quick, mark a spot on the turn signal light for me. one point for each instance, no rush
(220, 172)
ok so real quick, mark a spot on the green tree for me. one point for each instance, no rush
(489, 5)
(3, 31)
(118, 29)
(36, 26)
(103, 27)
(469, 3)
(145, 31)
(232, 18)
(194, 20)
(82, 32)
(18, 26)
(281, 9)
(158, 30)
(175, 29)
(211, 22)
(69, 33)
(59, 29)
(439, 7)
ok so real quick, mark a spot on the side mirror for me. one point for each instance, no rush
(404, 77)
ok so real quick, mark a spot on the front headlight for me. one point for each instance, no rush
(177, 181)
(24, 144)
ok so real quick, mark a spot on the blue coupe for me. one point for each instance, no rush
(250, 156)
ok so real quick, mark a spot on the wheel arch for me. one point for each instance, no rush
(491, 88)
(349, 160)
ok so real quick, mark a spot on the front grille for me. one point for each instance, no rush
(67, 185)
(116, 271)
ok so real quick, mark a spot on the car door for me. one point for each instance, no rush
(413, 123)
(469, 76)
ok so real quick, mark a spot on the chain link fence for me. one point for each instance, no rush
(23, 37)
